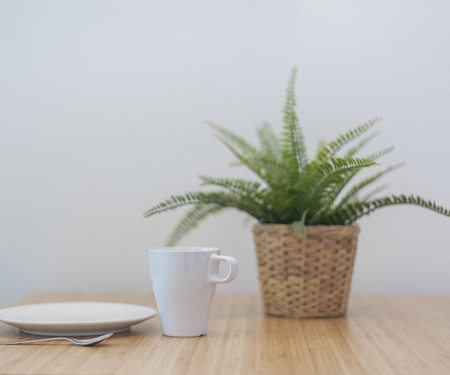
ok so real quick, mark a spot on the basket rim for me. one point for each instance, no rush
(266, 225)
(310, 229)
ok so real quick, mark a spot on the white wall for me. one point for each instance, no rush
(102, 110)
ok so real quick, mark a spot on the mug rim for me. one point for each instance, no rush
(183, 249)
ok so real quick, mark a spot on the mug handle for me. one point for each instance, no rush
(232, 270)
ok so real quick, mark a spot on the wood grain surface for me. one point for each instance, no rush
(379, 335)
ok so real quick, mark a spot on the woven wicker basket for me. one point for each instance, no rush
(305, 276)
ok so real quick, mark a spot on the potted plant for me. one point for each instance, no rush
(306, 208)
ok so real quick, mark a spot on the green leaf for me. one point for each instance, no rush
(299, 226)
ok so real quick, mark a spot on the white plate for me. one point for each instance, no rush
(75, 318)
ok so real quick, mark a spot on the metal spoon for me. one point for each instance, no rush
(82, 342)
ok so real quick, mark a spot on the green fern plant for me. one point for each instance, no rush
(291, 188)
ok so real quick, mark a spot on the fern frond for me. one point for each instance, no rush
(380, 153)
(351, 194)
(253, 162)
(260, 164)
(373, 192)
(231, 138)
(353, 211)
(245, 188)
(328, 175)
(221, 198)
(355, 149)
(320, 144)
(269, 143)
(191, 220)
(292, 144)
(249, 192)
(331, 148)
(329, 180)
(175, 202)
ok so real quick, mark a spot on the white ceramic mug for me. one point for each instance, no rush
(184, 280)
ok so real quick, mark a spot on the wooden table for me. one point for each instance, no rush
(380, 335)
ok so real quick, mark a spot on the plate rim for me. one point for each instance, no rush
(151, 312)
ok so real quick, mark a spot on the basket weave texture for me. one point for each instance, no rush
(308, 276)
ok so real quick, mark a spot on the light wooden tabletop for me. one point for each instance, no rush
(379, 335)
